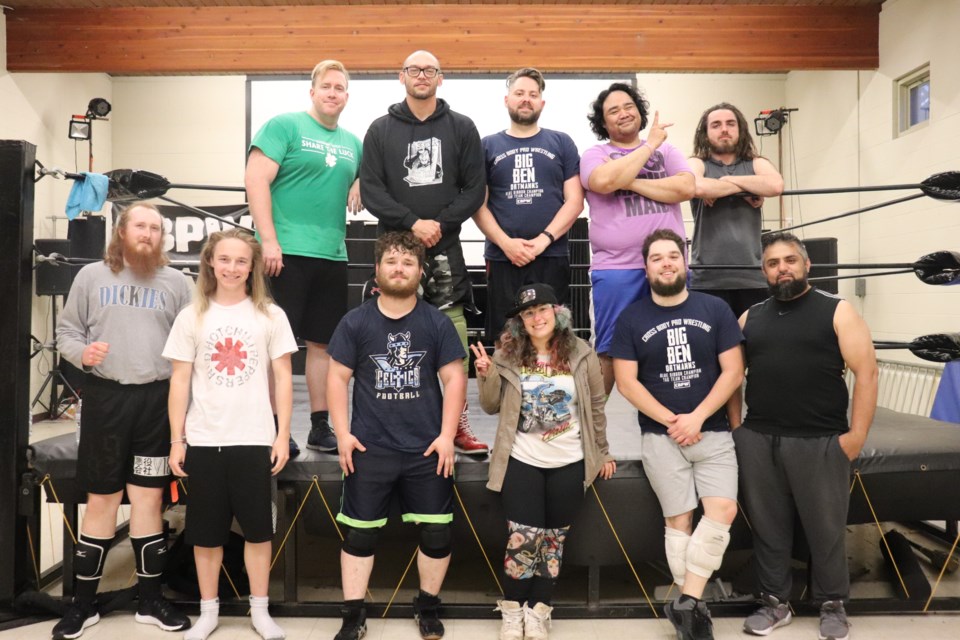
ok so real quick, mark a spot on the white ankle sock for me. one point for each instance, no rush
(207, 622)
(261, 620)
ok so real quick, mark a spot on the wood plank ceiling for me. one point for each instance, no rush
(286, 36)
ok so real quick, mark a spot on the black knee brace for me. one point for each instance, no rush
(360, 542)
(149, 554)
(89, 556)
(435, 540)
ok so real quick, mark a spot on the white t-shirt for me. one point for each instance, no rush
(548, 435)
(231, 348)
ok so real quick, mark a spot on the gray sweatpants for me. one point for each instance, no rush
(778, 474)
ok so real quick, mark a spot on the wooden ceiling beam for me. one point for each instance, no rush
(467, 38)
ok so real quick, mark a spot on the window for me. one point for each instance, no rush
(913, 100)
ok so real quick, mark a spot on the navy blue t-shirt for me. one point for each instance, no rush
(525, 178)
(397, 400)
(676, 351)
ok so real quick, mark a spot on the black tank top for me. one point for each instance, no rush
(795, 370)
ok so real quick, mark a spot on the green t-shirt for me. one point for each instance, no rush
(309, 194)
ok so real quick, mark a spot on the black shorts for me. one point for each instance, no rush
(124, 436)
(313, 294)
(226, 483)
(377, 473)
(503, 280)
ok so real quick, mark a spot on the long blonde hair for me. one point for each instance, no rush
(113, 255)
(207, 280)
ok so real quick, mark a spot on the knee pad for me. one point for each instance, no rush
(676, 543)
(707, 544)
(360, 542)
(435, 540)
(89, 556)
(523, 551)
(149, 554)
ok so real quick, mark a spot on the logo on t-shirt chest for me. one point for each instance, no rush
(332, 153)
(231, 357)
(397, 373)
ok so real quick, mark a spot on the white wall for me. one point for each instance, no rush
(187, 129)
(844, 135)
(36, 108)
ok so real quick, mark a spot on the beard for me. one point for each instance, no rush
(788, 290)
(523, 120)
(724, 146)
(142, 258)
(421, 92)
(393, 290)
(669, 289)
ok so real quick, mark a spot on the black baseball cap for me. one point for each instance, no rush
(531, 295)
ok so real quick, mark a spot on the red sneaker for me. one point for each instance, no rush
(465, 442)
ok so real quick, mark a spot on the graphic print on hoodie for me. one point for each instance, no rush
(431, 169)
(424, 162)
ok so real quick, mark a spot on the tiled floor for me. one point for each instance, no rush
(122, 627)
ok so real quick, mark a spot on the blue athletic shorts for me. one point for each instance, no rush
(613, 291)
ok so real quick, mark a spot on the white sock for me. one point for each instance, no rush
(261, 620)
(207, 622)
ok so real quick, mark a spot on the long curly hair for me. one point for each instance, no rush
(595, 117)
(745, 149)
(207, 280)
(518, 349)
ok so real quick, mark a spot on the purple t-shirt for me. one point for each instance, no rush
(620, 221)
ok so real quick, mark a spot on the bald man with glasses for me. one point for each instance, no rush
(423, 171)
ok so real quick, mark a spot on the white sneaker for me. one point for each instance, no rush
(512, 613)
(536, 622)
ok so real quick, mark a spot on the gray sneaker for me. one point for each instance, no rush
(691, 619)
(833, 621)
(771, 614)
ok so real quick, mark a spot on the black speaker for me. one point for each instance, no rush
(580, 258)
(53, 279)
(822, 251)
(88, 237)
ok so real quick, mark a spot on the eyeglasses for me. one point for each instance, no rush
(428, 72)
(532, 312)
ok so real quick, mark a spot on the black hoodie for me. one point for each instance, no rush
(408, 175)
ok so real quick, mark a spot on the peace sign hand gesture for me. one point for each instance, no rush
(481, 360)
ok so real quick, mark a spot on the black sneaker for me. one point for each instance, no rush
(321, 437)
(691, 619)
(77, 617)
(428, 619)
(294, 448)
(354, 627)
(162, 613)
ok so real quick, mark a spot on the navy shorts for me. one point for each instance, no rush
(124, 436)
(424, 496)
(313, 294)
(227, 483)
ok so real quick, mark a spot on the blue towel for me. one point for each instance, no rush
(946, 404)
(87, 194)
